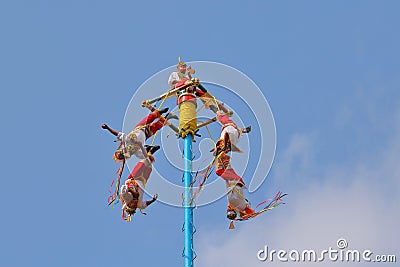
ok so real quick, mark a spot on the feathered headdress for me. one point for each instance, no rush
(180, 62)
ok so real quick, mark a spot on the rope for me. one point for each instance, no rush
(154, 138)
(205, 174)
(274, 203)
(200, 108)
(114, 196)
(170, 132)
(209, 133)
(237, 191)
(162, 102)
(159, 107)
(215, 102)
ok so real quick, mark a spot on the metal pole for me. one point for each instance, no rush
(188, 209)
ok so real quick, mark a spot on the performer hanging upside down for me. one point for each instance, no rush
(133, 190)
(230, 128)
(238, 205)
(142, 131)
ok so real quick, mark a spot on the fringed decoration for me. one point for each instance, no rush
(203, 176)
(272, 203)
(114, 196)
(187, 119)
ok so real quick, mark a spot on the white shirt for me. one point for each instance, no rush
(174, 77)
(127, 196)
(233, 134)
(127, 141)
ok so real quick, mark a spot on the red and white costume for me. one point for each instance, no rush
(234, 185)
(176, 77)
(143, 130)
(188, 94)
(229, 127)
(137, 181)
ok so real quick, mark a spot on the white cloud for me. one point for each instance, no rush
(356, 201)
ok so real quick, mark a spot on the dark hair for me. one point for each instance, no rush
(231, 214)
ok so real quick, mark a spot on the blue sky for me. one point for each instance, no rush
(329, 70)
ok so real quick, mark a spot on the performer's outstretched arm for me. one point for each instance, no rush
(111, 130)
(148, 202)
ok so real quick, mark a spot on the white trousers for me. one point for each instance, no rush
(233, 134)
(235, 196)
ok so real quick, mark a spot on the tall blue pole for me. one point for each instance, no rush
(188, 209)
